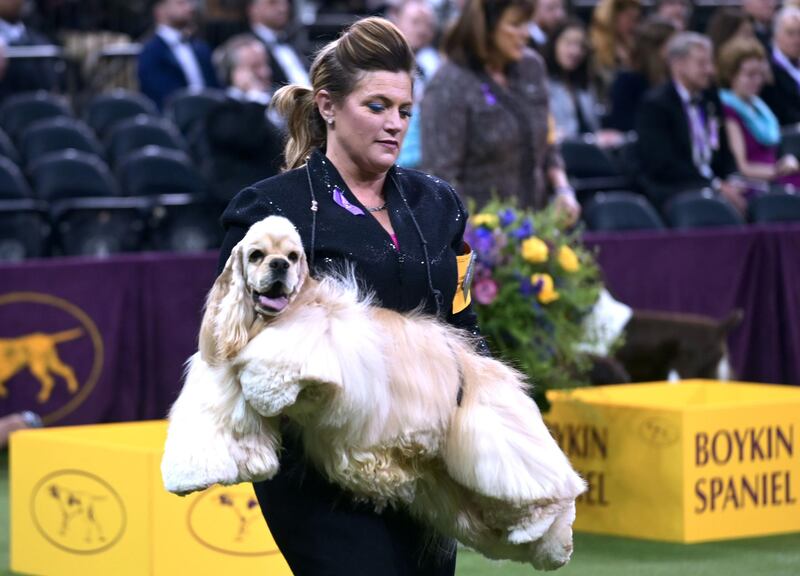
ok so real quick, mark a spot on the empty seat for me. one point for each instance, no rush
(181, 223)
(13, 185)
(24, 230)
(188, 107)
(100, 227)
(775, 207)
(59, 133)
(106, 110)
(71, 174)
(21, 110)
(155, 170)
(609, 211)
(136, 133)
(701, 210)
(591, 169)
(7, 147)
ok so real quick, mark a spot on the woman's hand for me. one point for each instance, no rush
(787, 165)
(567, 205)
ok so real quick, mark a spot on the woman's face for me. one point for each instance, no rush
(511, 34)
(571, 49)
(749, 78)
(626, 21)
(370, 124)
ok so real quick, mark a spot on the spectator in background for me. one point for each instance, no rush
(753, 130)
(726, 24)
(573, 105)
(547, 16)
(761, 13)
(22, 76)
(269, 21)
(677, 12)
(682, 143)
(783, 95)
(417, 21)
(240, 142)
(648, 70)
(172, 59)
(485, 113)
(611, 35)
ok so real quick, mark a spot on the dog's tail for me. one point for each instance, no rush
(66, 335)
(498, 444)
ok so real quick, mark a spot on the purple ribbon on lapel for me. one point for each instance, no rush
(490, 98)
(339, 198)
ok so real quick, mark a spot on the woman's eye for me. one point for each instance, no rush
(375, 107)
(405, 113)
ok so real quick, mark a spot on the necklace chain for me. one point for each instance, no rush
(377, 208)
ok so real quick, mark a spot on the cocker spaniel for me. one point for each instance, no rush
(376, 395)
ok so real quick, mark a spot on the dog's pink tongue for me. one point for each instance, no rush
(278, 303)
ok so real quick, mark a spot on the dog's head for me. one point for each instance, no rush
(263, 274)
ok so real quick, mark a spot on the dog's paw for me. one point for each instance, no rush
(268, 387)
(554, 548)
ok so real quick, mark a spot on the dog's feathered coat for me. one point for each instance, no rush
(374, 393)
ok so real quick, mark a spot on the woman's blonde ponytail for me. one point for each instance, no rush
(303, 121)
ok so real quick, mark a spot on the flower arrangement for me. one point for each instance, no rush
(533, 284)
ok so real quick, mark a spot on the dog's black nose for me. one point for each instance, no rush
(279, 265)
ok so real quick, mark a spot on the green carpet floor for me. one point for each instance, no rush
(594, 555)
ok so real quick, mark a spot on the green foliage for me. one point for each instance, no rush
(533, 285)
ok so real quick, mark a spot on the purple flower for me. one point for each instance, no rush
(485, 291)
(526, 288)
(482, 241)
(507, 217)
(525, 229)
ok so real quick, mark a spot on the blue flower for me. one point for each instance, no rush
(507, 217)
(525, 230)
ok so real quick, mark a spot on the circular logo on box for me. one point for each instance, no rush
(78, 512)
(51, 354)
(227, 519)
(658, 431)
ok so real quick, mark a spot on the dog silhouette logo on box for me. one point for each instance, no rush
(228, 520)
(78, 512)
(51, 354)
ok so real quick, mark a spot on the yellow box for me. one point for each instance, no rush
(89, 500)
(689, 462)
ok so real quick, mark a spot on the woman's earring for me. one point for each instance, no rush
(330, 121)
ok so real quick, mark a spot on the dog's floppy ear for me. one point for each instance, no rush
(228, 314)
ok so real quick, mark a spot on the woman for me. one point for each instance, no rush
(611, 36)
(485, 113)
(401, 230)
(648, 69)
(753, 130)
(572, 101)
(726, 24)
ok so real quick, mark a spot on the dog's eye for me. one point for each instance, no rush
(255, 256)
(293, 256)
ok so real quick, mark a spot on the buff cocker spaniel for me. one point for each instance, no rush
(376, 396)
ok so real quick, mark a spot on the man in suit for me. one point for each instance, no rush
(172, 60)
(22, 75)
(547, 15)
(783, 94)
(269, 20)
(241, 142)
(682, 143)
(761, 13)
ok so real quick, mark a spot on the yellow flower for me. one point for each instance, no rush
(534, 250)
(485, 219)
(547, 293)
(568, 259)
